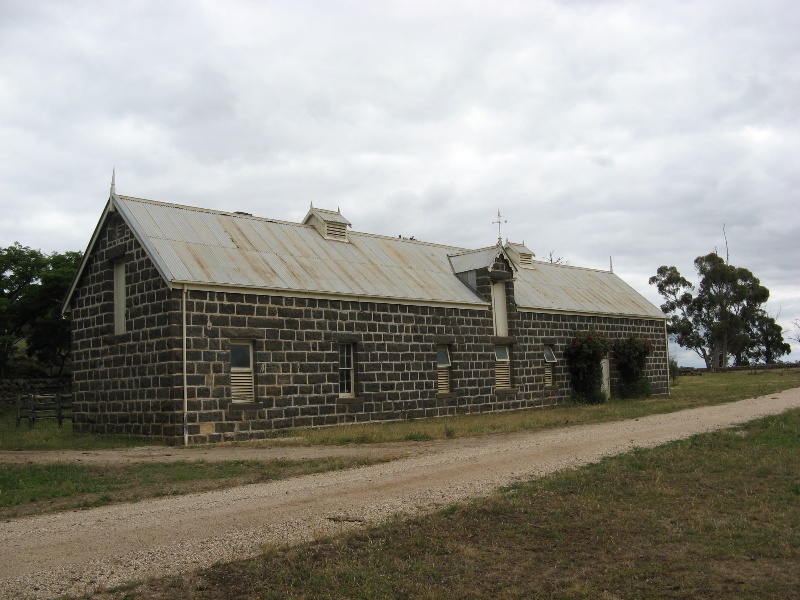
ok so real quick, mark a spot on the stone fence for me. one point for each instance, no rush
(10, 389)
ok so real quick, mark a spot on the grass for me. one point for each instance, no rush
(711, 388)
(35, 489)
(689, 392)
(29, 489)
(46, 435)
(715, 516)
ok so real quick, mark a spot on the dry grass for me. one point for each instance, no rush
(689, 392)
(716, 516)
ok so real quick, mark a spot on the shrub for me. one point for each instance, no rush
(631, 356)
(584, 356)
(638, 389)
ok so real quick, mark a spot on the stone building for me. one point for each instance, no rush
(196, 325)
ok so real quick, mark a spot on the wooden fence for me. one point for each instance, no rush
(38, 407)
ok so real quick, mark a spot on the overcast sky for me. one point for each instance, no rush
(631, 129)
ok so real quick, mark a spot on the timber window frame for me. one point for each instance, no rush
(443, 369)
(347, 370)
(549, 364)
(242, 372)
(120, 297)
(502, 367)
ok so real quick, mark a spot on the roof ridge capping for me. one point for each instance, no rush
(212, 211)
(303, 223)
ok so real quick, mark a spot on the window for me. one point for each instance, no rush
(242, 372)
(443, 368)
(502, 367)
(346, 371)
(499, 309)
(549, 365)
(119, 297)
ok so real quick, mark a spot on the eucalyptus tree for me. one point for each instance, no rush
(724, 318)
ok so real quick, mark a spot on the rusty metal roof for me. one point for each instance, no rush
(207, 248)
(196, 246)
(551, 287)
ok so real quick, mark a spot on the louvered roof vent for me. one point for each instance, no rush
(330, 224)
(520, 254)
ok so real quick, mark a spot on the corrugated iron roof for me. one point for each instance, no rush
(470, 260)
(228, 249)
(552, 287)
(203, 247)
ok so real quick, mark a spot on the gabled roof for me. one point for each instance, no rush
(559, 288)
(209, 249)
(326, 215)
(471, 260)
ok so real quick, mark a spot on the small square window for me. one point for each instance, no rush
(443, 356)
(240, 355)
(549, 355)
(501, 352)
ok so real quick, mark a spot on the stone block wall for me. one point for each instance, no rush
(533, 330)
(296, 354)
(133, 382)
(125, 383)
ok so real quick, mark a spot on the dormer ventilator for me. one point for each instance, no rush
(520, 254)
(330, 224)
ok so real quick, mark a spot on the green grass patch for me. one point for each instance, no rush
(715, 516)
(32, 489)
(47, 435)
(689, 392)
(709, 389)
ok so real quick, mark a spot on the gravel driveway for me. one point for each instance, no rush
(77, 552)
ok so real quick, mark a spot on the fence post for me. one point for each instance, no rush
(31, 411)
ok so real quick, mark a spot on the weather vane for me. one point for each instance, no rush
(499, 222)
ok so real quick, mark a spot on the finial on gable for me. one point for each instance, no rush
(113, 185)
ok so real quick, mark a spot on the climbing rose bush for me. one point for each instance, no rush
(585, 355)
(631, 355)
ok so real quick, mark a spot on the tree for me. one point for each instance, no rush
(724, 317)
(556, 260)
(32, 286)
(48, 334)
(795, 335)
(767, 343)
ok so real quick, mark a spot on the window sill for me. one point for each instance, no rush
(446, 395)
(348, 400)
(505, 391)
(234, 406)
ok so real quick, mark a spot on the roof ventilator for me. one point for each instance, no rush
(330, 224)
(520, 254)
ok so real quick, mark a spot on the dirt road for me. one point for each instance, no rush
(76, 552)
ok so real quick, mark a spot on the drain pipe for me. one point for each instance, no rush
(185, 380)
